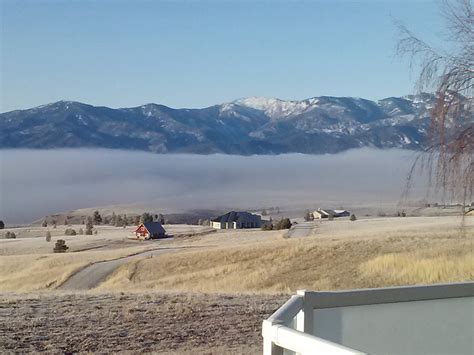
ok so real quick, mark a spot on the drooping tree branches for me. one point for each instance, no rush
(449, 73)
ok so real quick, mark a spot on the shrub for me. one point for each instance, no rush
(48, 236)
(404, 214)
(81, 231)
(353, 217)
(2, 225)
(70, 231)
(267, 227)
(60, 246)
(44, 224)
(10, 235)
(284, 223)
(95, 231)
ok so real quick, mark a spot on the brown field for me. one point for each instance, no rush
(134, 323)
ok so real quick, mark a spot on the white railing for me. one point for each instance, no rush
(291, 328)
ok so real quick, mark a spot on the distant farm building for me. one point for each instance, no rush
(326, 213)
(237, 220)
(150, 230)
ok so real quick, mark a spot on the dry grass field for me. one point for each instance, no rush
(335, 255)
(287, 265)
(207, 293)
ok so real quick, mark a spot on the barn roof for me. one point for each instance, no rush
(236, 216)
(154, 227)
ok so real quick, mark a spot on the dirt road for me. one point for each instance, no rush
(91, 276)
(303, 229)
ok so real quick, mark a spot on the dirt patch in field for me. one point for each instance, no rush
(151, 322)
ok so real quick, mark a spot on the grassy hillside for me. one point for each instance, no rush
(287, 265)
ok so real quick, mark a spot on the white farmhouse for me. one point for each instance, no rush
(326, 213)
(237, 220)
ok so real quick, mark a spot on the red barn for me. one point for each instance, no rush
(150, 230)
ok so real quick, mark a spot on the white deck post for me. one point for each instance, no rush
(304, 319)
(269, 347)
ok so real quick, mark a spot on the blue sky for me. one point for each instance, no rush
(199, 53)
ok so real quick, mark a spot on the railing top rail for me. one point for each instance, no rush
(386, 295)
(288, 311)
(303, 343)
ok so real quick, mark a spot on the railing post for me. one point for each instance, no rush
(304, 319)
(269, 347)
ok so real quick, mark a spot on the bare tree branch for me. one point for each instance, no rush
(449, 73)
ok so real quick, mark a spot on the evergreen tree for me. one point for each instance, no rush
(146, 217)
(89, 226)
(2, 225)
(161, 218)
(113, 220)
(97, 218)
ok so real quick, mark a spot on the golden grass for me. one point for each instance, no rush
(287, 265)
(25, 273)
(342, 255)
(419, 267)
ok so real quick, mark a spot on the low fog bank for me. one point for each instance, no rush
(35, 183)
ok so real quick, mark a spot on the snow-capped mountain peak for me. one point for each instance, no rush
(276, 108)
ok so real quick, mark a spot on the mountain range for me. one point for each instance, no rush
(253, 125)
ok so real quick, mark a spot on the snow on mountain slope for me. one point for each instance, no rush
(276, 108)
(253, 125)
